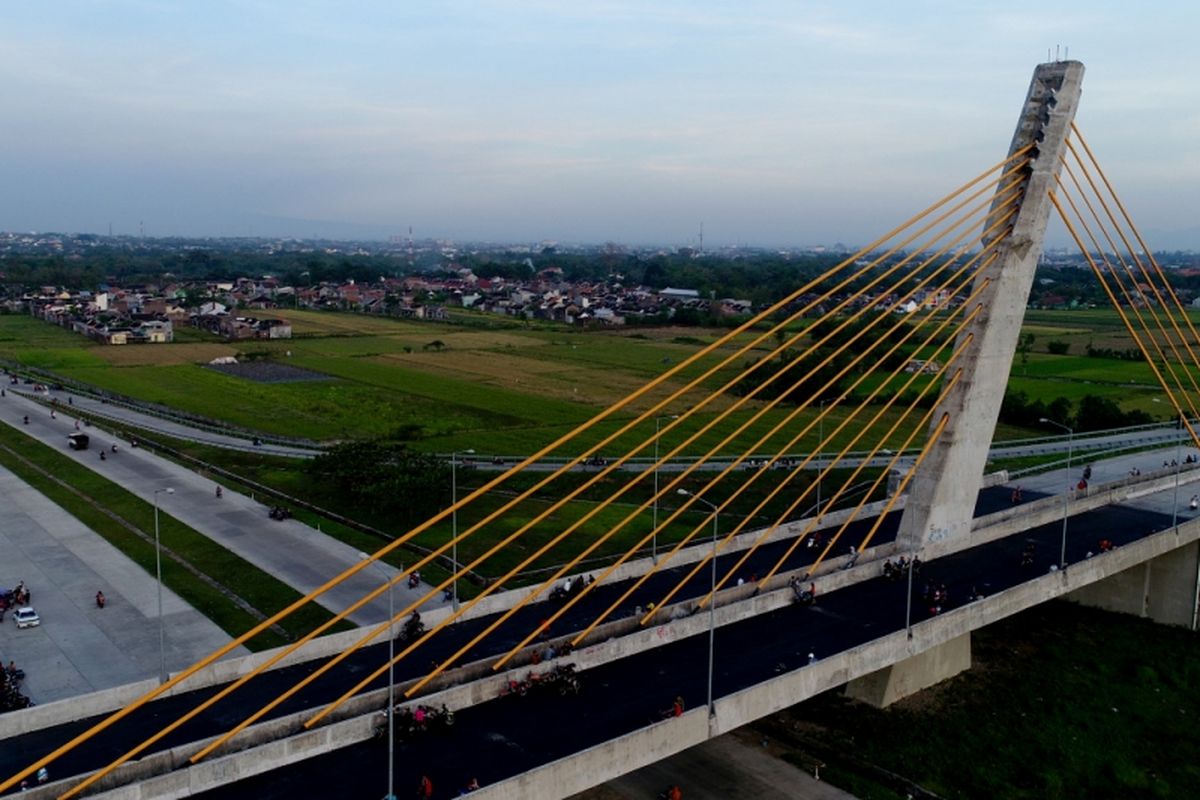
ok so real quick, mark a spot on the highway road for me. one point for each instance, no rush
(188, 430)
(510, 735)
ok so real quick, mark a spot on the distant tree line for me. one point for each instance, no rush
(1093, 413)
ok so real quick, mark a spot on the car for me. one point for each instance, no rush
(26, 617)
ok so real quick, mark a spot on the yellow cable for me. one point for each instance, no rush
(1133, 278)
(1137, 235)
(766, 532)
(1121, 286)
(1096, 270)
(547, 513)
(636, 547)
(479, 492)
(967, 320)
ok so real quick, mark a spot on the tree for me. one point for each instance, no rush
(1023, 346)
(387, 478)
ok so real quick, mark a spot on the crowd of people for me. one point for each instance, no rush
(895, 570)
(562, 679)
(935, 596)
(410, 723)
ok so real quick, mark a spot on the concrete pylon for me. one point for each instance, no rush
(942, 496)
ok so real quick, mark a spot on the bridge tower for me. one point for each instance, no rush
(942, 496)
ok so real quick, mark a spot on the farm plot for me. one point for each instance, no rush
(331, 323)
(164, 354)
(318, 410)
(549, 379)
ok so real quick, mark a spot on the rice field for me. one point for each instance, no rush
(509, 390)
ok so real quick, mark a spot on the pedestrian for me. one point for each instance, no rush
(424, 788)
(53, 415)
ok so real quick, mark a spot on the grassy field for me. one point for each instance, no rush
(506, 389)
(1062, 701)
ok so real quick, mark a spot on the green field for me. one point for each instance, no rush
(1061, 702)
(506, 389)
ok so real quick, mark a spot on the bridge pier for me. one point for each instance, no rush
(884, 687)
(1163, 589)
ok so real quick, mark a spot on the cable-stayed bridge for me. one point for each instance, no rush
(887, 372)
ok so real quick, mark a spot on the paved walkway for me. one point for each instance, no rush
(293, 552)
(80, 648)
(729, 767)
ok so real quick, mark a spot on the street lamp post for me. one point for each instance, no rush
(162, 648)
(654, 520)
(820, 444)
(712, 601)
(391, 702)
(1062, 558)
(454, 520)
(1175, 497)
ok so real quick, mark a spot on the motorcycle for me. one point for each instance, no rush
(413, 629)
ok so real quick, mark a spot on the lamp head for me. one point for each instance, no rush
(683, 492)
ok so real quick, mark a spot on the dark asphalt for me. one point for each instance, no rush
(513, 734)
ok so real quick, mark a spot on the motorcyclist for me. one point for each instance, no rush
(413, 627)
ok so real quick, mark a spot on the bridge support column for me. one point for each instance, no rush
(907, 677)
(944, 488)
(1163, 589)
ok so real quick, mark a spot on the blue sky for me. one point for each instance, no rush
(772, 123)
